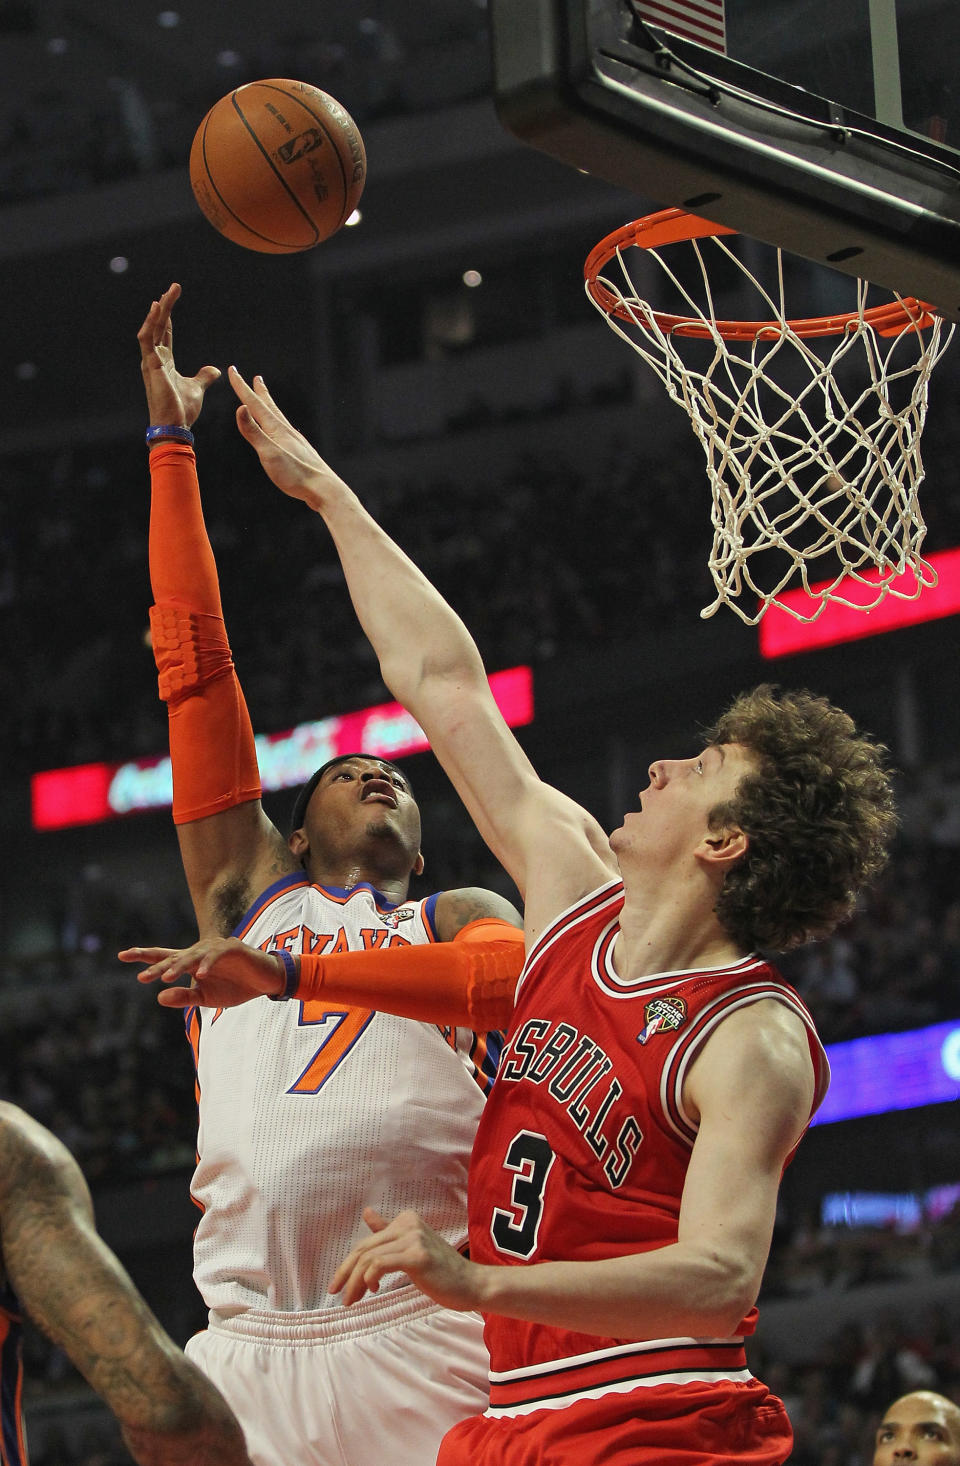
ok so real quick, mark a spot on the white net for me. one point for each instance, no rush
(812, 441)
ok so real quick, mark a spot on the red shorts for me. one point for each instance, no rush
(682, 1425)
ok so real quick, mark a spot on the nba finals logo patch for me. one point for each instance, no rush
(662, 1015)
(394, 918)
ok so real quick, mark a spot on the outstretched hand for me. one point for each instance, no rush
(172, 399)
(223, 972)
(408, 1245)
(292, 463)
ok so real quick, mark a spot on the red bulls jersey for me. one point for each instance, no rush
(583, 1148)
(13, 1445)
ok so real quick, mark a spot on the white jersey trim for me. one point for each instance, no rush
(620, 1387)
(571, 916)
(612, 985)
(616, 1351)
(671, 1089)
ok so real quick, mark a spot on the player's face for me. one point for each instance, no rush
(360, 805)
(673, 814)
(920, 1429)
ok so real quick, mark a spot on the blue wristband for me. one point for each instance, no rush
(292, 977)
(169, 435)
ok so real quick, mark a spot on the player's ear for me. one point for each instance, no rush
(299, 844)
(722, 849)
(419, 864)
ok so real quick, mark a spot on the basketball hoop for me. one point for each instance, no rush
(812, 454)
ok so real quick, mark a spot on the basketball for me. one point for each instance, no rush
(277, 166)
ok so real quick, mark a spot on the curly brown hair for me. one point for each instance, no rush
(818, 813)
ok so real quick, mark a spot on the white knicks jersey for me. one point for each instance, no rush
(310, 1111)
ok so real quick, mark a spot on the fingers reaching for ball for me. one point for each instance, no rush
(173, 400)
(288, 459)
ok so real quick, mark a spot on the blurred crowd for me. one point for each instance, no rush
(108, 1076)
(837, 1399)
(896, 963)
(97, 112)
(522, 561)
(529, 562)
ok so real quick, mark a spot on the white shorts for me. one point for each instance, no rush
(385, 1389)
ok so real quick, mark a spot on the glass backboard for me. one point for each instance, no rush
(828, 127)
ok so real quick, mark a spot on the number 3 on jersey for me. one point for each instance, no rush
(514, 1231)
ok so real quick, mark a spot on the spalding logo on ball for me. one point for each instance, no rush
(277, 166)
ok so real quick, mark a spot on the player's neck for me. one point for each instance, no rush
(347, 874)
(672, 930)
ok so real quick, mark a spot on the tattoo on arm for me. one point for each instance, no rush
(455, 909)
(76, 1291)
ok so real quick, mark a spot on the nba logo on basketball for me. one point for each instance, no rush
(297, 146)
(665, 1014)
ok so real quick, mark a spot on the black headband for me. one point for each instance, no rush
(305, 792)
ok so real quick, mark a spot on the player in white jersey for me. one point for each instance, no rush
(308, 1112)
(307, 1075)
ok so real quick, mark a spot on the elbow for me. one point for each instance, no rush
(726, 1292)
(730, 1296)
(729, 1320)
(179, 1416)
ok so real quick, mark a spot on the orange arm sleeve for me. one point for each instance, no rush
(467, 983)
(212, 750)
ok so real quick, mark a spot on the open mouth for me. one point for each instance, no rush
(381, 793)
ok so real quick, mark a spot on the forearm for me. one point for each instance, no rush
(211, 738)
(468, 982)
(63, 1274)
(200, 1429)
(79, 1295)
(182, 568)
(170, 1413)
(463, 984)
(676, 1291)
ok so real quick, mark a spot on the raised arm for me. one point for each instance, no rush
(75, 1290)
(230, 850)
(553, 849)
(752, 1089)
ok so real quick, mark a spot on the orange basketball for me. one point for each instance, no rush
(277, 166)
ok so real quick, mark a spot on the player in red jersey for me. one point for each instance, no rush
(54, 1265)
(658, 1073)
(922, 1428)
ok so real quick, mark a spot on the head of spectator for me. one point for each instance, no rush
(922, 1428)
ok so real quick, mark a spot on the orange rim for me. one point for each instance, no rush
(675, 226)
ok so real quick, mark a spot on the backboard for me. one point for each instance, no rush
(828, 127)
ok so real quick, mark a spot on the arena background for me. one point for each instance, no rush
(540, 475)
